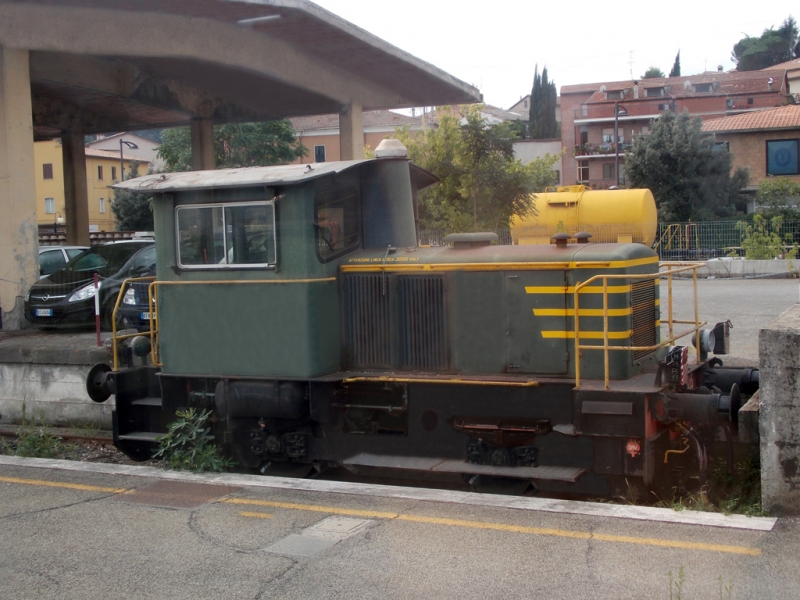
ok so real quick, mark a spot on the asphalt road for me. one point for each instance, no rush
(749, 304)
(69, 534)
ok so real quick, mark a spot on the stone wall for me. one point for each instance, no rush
(779, 420)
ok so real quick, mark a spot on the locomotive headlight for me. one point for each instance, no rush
(84, 293)
(129, 297)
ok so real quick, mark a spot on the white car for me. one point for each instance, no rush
(52, 258)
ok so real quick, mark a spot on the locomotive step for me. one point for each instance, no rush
(438, 465)
(142, 436)
(147, 402)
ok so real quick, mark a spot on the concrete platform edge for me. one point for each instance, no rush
(641, 513)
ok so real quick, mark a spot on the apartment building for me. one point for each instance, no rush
(589, 113)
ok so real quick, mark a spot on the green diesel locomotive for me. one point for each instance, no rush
(296, 303)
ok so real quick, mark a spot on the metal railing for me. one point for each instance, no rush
(152, 334)
(709, 239)
(672, 268)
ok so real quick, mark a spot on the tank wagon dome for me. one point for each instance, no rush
(620, 216)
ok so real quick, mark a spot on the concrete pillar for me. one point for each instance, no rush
(76, 192)
(19, 236)
(779, 418)
(203, 145)
(351, 132)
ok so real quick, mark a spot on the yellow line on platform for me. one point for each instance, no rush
(255, 515)
(68, 486)
(310, 507)
(566, 533)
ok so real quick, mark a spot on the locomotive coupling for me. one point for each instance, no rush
(702, 410)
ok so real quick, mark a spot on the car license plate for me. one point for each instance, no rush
(145, 316)
(44, 312)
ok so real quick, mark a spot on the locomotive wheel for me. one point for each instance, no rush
(505, 486)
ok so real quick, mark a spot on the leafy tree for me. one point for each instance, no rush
(762, 240)
(653, 73)
(676, 66)
(236, 145)
(778, 196)
(482, 185)
(774, 46)
(689, 177)
(132, 211)
(543, 124)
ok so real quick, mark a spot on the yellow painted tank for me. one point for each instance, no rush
(621, 216)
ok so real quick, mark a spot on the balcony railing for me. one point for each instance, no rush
(594, 149)
(635, 108)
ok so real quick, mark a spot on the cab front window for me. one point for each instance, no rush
(226, 235)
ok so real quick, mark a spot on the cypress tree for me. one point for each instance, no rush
(676, 68)
(543, 124)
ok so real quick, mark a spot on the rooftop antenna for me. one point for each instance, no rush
(630, 63)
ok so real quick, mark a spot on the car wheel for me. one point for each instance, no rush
(107, 312)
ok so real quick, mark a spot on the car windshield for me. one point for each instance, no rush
(104, 260)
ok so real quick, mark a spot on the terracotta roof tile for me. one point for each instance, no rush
(735, 82)
(96, 153)
(784, 117)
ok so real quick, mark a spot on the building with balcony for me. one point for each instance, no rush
(588, 117)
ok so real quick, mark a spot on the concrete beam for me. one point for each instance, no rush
(203, 145)
(76, 192)
(63, 116)
(351, 132)
(19, 240)
(63, 29)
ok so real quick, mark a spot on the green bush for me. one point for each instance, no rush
(189, 444)
(762, 240)
(34, 440)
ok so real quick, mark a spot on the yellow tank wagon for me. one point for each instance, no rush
(615, 216)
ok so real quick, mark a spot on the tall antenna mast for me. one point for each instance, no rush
(630, 63)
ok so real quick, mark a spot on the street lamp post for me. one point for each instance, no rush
(618, 110)
(130, 145)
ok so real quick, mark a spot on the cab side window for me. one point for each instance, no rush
(337, 221)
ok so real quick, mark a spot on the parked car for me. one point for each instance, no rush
(66, 296)
(52, 258)
(134, 310)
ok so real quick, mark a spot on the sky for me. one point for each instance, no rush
(496, 46)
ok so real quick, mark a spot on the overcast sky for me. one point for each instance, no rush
(496, 45)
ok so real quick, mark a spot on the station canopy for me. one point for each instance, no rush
(122, 65)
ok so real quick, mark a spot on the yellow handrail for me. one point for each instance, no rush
(672, 268)
(114, 337)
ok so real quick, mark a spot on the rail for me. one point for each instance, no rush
(152, 290)
(671, 269)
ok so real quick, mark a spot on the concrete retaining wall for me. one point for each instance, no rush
(779, 420)
(48, 372)
(730, 267)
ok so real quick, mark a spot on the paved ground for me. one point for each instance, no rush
(750, 304)
(68, 534)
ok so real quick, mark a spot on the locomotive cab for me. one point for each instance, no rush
(296, 304)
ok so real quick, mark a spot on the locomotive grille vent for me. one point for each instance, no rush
(643, 316)
(367, 320)
(423, 323)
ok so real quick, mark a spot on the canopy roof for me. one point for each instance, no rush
(114, 65)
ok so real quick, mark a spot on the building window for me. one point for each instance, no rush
(782, 157)
(50, 206)
(583, 170)
(47, 170)
(608, 135)
(319, 154)
(102, 205)
(650, 92)
(100, 172)
(584, 135)
(729, 103)
(615, 95)
(645, 129)
(703, 88)
(749, 101)
(721, 147)
(113, 173)
(608, 171)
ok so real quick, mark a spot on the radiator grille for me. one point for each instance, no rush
(643, 316)
(367, 320)
(423, 324)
